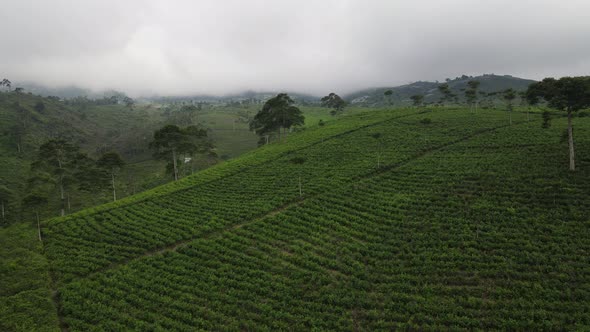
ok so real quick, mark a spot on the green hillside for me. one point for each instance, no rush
(96, 128)
(376, 221)
(489, 83)
(27, 121)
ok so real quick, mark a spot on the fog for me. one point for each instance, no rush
(219, 47)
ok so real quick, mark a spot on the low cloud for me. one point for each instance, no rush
(217, 47)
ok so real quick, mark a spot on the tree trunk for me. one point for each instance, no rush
(63, 200)
(3, 215)
(61, 191)
(279, 134)
(38, 225)
(69, 206)
(570, 135)
(174, 163)
(113, 183)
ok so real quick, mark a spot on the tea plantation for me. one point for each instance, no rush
(378, 221)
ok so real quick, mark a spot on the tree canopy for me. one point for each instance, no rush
(569, 94)
(171, 141)
(277, 113)
(60, 163)
(335, 102)
(447, 94)
(417, 100)
(471, 92)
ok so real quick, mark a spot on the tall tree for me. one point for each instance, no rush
(129, 102)
(334, 102)
(277, 113)
(5, 82)
(171, 141)
(447, 94)
(388, 94)
(5, 196)
(60, 159)
(509, 95)
(188, 114)
(524, 102)
(568, 94)
(417, 100)
(379, 138)
(18, 131)
(471, 93)
(35, 201)
(39, 107)
(111, 163)
(299, 161)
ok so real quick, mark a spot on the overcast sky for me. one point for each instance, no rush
(316, 46)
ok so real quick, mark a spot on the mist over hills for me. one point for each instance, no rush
(365, 97)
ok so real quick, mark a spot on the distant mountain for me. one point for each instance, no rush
(65, 92)
(253, 96)
(401, 94)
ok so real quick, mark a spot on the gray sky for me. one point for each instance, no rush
(317, 46)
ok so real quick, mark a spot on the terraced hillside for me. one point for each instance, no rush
(376, 221)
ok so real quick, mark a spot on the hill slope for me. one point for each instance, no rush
(466, 223)
(401, 94)
(27, 121)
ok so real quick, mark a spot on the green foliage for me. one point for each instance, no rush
(298, 160)
(128, 102)
(40, 107)
(449, 233)
(6, 197)
(277, 113)
(334, 102)
(446, 92)
(170, 142)
(417, 100)
(569, 94)
(546, 120)
(471, 92)
(35, 200)
(426, 121)
(110, 160)
(565, 94)
(509, 95)
(459, 85)
(25, 295)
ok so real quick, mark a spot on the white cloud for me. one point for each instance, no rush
(180, 47)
